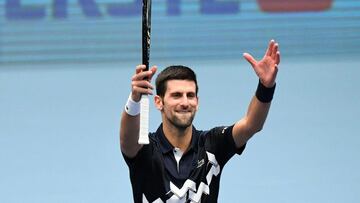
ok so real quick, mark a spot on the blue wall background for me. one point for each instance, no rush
(65, 76)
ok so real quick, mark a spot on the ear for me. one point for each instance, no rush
(158, 102)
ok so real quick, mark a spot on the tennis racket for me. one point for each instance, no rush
(144, 101)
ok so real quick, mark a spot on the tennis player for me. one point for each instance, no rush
(182, 163)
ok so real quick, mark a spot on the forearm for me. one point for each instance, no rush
(256, 115)
(129, 134)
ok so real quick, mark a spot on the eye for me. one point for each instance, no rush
(176, 95)
(191, 95)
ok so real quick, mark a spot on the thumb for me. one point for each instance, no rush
(250, 59)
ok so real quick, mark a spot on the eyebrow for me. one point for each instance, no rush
(190, 93)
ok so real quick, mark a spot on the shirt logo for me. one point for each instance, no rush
(223, 131)
(200, 163)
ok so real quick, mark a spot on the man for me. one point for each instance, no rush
(181, 163)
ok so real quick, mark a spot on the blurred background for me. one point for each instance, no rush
(65, 71)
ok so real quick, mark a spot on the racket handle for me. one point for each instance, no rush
(144, 120)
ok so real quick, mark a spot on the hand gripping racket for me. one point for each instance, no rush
(144, 101)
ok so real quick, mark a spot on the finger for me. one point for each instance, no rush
(142, 84)
(141, 90)
(140, 68)
(277, 58)
(153, 71)
(270, 47)
(143, 75)
(140, 87)
(275, 50)
(250, 59)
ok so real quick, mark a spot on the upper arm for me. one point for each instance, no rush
(241, 132)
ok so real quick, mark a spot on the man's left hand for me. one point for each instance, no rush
(266, 69)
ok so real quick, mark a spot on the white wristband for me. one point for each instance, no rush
(132, 108)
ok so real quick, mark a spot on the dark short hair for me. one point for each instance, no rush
(174, 72)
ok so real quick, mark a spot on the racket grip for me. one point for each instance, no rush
(144, 120)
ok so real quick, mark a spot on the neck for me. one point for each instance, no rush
(179, 138)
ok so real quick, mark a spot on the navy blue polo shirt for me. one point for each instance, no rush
(156, 175)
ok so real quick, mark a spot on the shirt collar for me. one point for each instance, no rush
(165, 145)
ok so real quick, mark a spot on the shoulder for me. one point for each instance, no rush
(220, 142)
(215, 137)
(218, 131)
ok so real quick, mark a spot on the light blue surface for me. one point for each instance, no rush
(59, 132)
(63, 85)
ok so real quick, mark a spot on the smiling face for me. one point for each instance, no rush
(179, 104)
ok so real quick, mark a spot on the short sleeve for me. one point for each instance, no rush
(142, 158)
(220, 141)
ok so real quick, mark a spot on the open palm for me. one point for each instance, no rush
(266, 69)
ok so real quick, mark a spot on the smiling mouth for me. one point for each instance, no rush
(183, 112)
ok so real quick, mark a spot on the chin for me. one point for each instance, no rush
(184, 123)
(183, 126)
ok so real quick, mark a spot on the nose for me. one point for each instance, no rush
(184, 101)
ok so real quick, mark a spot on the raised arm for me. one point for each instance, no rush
(266, 69)
(130, 118)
